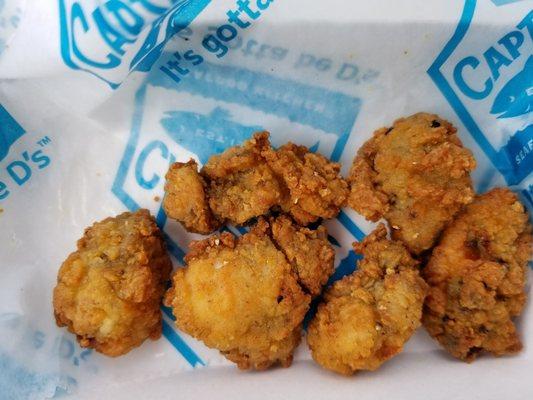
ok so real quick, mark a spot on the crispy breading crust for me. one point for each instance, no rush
(477, 278)
(416, 175)
(238, 158)
(191, 209)
(240, 296)
(315, 187)
(245, 195)
(251, 180)
(309, 251)
(108, 291)
(367, 317)
(242, 186)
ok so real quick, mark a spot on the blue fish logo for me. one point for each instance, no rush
(205, 135)
(10, 132)
(516, 97)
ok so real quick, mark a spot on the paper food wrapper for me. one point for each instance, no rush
(99, 97)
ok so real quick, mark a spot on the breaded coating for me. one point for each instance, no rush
(367, 317)
(309, 251)
(315, 188)
(249, 181)
(241, 184)
(477, 278)
(186, 199)
(109, 291)
(240, 296)
(416, 175)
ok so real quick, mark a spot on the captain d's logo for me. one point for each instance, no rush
(490, 86)
(10, 132)
(516, 96)
(111, 38)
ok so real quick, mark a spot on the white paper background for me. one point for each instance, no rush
(90, 127)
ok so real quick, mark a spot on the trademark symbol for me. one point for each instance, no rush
(44, 141)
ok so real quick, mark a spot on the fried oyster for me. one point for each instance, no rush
(192, 209)
(416, 175)
(109, 290)
(313, 185)
(242, 295)
(249, 181)
(366, 317)
(477, 277)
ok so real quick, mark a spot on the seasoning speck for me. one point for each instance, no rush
(219, 264)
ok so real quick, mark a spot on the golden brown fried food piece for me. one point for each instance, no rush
(309, 251)
(477, 277)
(314, 187)
(416, 175)
(234, 187)
(249, 181)
(240, 296)
(367, 317)
(241, 184)
(186, 199)
(108, 291)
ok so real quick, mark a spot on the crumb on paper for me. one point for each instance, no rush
(157, 199)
